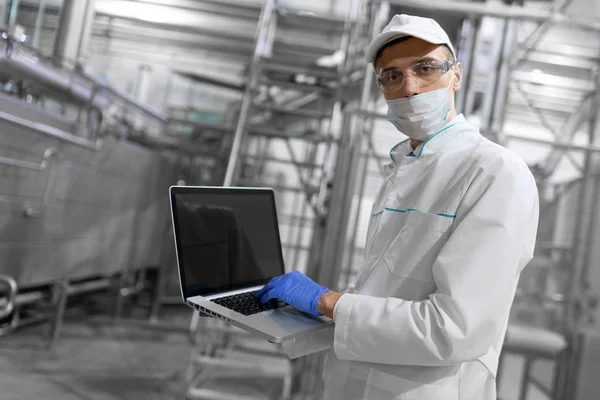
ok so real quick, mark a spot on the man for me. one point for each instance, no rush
(452, 227)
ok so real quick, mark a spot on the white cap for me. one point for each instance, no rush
(407, 25)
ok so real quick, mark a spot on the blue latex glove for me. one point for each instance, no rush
(296, 289)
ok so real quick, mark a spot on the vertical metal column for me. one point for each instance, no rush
(12, 18)
(503, 81)
(469, 57)
(3, 13)
(39, 24)
(588, 208)
(335, 238)
(71, 30)
(262, 33)
(489, 99)
(86, 31)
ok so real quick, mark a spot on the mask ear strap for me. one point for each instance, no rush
(451, 82)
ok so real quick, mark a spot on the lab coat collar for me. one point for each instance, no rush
(432, 145)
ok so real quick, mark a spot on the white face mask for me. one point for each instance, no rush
(421, 116)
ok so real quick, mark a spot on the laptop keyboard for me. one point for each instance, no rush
(247, 303)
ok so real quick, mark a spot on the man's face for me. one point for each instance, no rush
(403, 56)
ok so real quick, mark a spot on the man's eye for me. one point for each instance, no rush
(393, 76)
(425, 69)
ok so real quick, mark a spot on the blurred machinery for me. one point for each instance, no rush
(86, 167)
(83, 204)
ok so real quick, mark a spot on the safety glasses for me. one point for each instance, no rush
(424, 73)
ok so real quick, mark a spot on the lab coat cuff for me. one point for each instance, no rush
(342, 314)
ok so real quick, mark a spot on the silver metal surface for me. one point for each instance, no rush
(85, 230)
(11, 295)
(276, 326)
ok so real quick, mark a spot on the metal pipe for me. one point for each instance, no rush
(86, 29)
(470, 49)
(12, 19)
(568, 131)
(3, 13)
(39, 21)
(563, 82)
(265, 19)
(364, 162)
(568, 146)
(299, 233)
(50, 131)
(29, 165)
(70, 31)
(349, 149)
(336, 114)
(504, 75)
(17, 65)
(587, 209)
(291, 228)
(487, 106)
(127, 99)
(474, 9)
(30, 211)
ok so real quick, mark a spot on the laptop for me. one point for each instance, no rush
(228, 247)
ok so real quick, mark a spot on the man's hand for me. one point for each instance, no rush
(296, 289)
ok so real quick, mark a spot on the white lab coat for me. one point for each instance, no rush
(450, 232)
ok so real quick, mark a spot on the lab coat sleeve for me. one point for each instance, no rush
(476, 274)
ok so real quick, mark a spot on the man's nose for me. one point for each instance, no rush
(409, 87)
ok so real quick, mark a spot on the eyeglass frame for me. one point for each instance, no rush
(446, 64)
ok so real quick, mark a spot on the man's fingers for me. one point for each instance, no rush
(267, 297)
(270, 285)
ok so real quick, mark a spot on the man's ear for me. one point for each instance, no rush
(458, 75)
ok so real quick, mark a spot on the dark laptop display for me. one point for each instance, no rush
(227, 238)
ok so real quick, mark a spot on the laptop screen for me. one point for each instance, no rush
(226, 238)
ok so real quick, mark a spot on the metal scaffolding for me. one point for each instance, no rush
(290, 119)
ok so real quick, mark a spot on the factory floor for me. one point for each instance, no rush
(95, 360)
